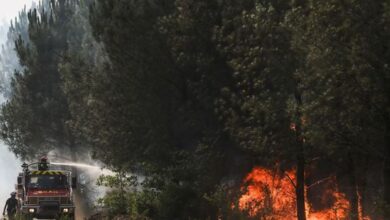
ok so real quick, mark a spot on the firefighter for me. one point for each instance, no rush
(43, 164)
(11, 206)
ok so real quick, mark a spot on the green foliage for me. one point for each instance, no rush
(120, 180)
(121, 197)
(257, 49)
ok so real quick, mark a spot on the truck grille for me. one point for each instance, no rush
(36, 200)
(49, 206)
(49, 199)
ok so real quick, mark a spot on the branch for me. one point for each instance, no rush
(320, 181)
(291, 180)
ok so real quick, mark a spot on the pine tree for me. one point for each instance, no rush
(33, 120)
(343, 83)
(266, 100)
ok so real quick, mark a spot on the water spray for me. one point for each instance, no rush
(93, 171)
(83, 165)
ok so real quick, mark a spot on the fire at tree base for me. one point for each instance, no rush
(270, 195)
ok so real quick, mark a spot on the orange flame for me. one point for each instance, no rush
(339, 210)
(269, 195)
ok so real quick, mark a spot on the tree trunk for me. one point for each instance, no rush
(300, 176)
(300, 190)
(386, 174)
(354, 200)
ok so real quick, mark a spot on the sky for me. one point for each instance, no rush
(9, 8)
(9, 165)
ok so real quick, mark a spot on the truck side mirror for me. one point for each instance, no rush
(74, 182)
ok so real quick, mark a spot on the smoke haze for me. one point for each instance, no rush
(9, 164)
(9, 168)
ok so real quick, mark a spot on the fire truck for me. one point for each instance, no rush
(45, 191)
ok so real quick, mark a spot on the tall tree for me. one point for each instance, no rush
(34, 118)
(165, 62)
(264, 108)
(346, 115)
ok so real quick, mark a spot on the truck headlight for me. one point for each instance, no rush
(31, 210)
(65, 210)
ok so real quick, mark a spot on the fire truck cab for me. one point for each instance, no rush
(45, 192)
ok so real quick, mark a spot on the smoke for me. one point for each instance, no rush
(9, 168)
(9, 9)
(9, 164)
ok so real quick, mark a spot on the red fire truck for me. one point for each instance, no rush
(45, 192)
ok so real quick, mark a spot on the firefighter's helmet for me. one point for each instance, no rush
(13, 194)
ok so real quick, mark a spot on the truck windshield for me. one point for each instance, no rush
(48, 182)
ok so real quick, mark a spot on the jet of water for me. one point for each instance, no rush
(83, 165)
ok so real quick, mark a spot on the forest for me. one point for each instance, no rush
(209, 109)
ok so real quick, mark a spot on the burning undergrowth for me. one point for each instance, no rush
(270, 195)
